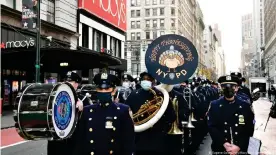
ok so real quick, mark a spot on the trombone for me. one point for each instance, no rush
(188, 94)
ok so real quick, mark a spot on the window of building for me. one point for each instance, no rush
(138, 24)
(147, 2)
(162, 22)
(147, 23)
(172, 11)
(132, 24)
(133, 2)
(147, 12)
(173, 1)
(154, 23)
(137, 13)
(138, 2)
(162, 11)
(172, 22)
(51, 11)
(132, 36)
(132, 13)
(85, 36)
(147, 35)
(162, 33)
(154, 12)
(138, 36)
(154, 34)
(97, 40)
(154, 2)
(161, 1)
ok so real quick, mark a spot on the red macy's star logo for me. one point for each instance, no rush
(3, 45)
(102, 50)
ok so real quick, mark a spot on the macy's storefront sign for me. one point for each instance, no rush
(18, 44)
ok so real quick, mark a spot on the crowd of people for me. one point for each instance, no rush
(107, 126)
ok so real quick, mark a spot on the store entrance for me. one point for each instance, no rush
(11, 82)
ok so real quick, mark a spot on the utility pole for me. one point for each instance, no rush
(37, 65)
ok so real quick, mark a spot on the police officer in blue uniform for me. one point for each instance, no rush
(65, 147)
(126, 89)
(242, 89)
(154, 140)
(230, 120)
(105, 127)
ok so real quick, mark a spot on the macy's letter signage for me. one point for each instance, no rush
(112, 11)
(18, 44)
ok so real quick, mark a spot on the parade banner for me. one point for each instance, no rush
(29, 14)
(171, 59)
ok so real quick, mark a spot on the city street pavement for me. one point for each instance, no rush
(268, 138)
(12, 144)
(7, 119)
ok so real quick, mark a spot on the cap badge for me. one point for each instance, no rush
(125, 76)
(69, 73)
(228, 78)
(104, 76)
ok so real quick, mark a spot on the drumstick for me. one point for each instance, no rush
(118, 93)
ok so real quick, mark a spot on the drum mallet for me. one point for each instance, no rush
(86, 95)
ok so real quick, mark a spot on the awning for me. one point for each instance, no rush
(51, 58)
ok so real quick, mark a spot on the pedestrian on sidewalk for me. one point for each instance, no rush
(230, 120)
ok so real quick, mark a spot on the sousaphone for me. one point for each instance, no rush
(170, 59)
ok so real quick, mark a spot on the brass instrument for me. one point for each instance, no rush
(191, 116)
(174, 129)
(148, 110)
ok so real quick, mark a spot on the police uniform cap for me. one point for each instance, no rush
(243, 79)
(238, 74)
(105, 81)
(146, 74)
(196, 79)
(127, 77)
(72, 76)
(229, 80)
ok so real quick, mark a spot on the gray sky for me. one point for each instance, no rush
(228, 13)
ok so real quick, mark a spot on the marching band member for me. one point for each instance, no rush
(242, 90)
(137, 83)
(127, 88)
(230, 120)
(154, 140)
(105, 127)
(65, 147)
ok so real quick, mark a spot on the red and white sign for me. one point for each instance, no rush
(112, 11)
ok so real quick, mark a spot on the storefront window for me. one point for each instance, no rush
(8, 72)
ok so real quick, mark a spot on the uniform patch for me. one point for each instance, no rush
(241, 119)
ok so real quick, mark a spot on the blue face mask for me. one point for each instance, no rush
(146, 85)
(104, 97)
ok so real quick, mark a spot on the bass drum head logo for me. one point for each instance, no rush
(63, 111)
(171, 59)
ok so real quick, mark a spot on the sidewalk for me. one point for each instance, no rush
(268, 138)
(7, 119)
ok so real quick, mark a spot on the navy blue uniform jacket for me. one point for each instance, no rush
(238, 115)
(105, 129)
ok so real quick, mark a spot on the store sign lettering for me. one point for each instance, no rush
(18, 44)
(112, 11)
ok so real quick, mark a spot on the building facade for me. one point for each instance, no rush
(58, 21)
(220, 56)
(102, 27)
(210, 48)
(249, 59)
(269, 58)
(259, 34)
(149, 19)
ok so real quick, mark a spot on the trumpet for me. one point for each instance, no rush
(188, 94)
(174, 129)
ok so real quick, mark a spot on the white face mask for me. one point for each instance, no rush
(146, 85)
(126, 84)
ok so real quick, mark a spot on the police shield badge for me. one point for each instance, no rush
(171, 59)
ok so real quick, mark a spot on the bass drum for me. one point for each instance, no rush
(46, 111)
